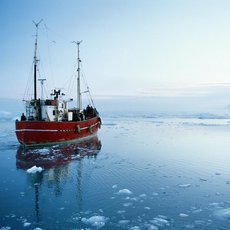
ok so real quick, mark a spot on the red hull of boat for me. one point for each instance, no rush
(43, 132)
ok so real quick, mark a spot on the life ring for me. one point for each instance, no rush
(77, 129)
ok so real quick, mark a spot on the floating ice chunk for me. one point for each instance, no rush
(147, 208)
(214, 204)
(26, 224)
(123, 222)
(124, 191)
(22, 193)
(121, 211)
(223, 213)
(199, 222)
(135, 228)
(160, 221)
(5, 228)
(183, 215)
(197, 211)
(43, 151)
(184, 185)
(189, 226)
(114, 186)
(127, 204)
(143, 195)
(131, 198)
(95, 221)
(37, 228)
(155, 194)
(34, 169)
(151, 227)
(203, 179)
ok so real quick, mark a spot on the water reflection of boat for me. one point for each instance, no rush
(51, 156)
(55, 159)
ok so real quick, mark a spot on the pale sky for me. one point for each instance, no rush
(129, 46)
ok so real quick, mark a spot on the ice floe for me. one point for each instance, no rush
(5, 228)
(184, 185)
(131, 198)
(223, 213)
(134, 228)
(124, 191)
(114, 186)
(160, 221)
(34, 169)
(44, 151)
(183, 215)
(155, 194)
(95, 221)
(151, 227)
(26, 224)
(127, 204)
(197, 210)
(121, 211)
(142, 195)
(123, 222)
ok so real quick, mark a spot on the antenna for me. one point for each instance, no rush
(78, 42)
(37, 24)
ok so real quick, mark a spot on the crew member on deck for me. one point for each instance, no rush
(23, 117)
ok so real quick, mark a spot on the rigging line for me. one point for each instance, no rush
(70, 86)
(71, 81)
(49, 54)
(41, 67)
(45, 92)
(89, 94)
(28, 84)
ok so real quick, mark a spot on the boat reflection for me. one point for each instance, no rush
(51, 156)
(55, 160)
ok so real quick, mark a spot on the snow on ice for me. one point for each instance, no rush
(124, 191)
(184, 185)
(34, 169)
(160, 221)
(123, 222)
(135, 228)
(95, 221)
(223, 213)
(26, 224)
(183, 215)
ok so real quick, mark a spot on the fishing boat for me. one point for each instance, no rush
(51, 120)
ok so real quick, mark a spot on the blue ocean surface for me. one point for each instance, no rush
(154, 164)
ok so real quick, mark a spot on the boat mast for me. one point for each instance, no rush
(35, 59)
(79, 100)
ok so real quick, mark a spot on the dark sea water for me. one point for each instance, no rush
(148, 168)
